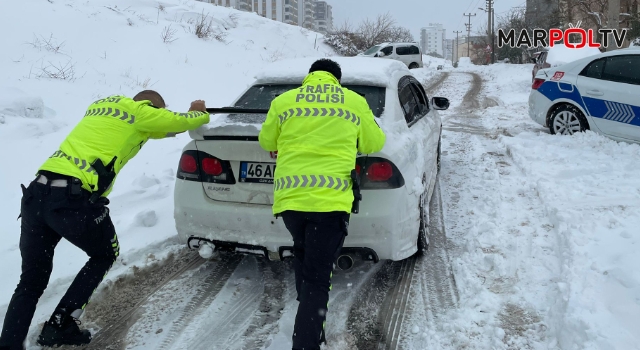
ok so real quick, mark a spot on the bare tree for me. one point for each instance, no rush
(513, 20)
(349, 41)
(377, 30)
(400, 34)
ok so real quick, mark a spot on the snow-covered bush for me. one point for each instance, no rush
(342, 42)
(635, 42)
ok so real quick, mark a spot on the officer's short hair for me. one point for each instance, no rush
(327, 65)
(150, 95)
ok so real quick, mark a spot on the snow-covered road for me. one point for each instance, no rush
(500, 272)
(534, 237)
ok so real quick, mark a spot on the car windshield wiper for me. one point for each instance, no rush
(237, 110)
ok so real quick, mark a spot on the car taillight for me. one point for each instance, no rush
(188, 163)
(212, 166)
(203, 167)
(379, 171)
(537, 83)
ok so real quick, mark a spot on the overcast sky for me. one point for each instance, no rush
(415, 14)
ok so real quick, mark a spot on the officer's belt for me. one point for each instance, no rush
(54, 183)
(322, 181)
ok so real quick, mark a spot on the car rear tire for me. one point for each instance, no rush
(423, 239)
(567, 120)
(413, 65)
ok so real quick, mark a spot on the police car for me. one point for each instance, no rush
(224, 187)
(599, 93)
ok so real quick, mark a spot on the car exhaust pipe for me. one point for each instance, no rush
(345, 262)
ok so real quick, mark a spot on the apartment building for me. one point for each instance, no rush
(310, 14)
(324, 17)
(307, 14)
(432, 39)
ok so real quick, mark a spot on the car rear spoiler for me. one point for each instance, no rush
(230, 110)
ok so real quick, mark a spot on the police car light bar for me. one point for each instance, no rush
(229, 110)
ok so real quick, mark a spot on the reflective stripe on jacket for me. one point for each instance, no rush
(116, 126)
(317, 144)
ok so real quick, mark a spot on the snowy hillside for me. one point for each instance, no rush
(58, 56)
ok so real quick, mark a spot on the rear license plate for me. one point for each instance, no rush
(257, 172)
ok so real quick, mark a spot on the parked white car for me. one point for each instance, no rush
(408, 53)
(224, 186)
(599, 93)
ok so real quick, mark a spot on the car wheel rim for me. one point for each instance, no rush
(566, 123)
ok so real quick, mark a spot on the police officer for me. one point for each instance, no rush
(68, 199)
(317, 130)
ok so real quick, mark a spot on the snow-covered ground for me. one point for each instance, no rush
(108, 47)
(542, 229)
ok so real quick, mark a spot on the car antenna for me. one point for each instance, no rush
(229, 110)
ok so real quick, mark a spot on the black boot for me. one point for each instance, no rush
(62, 329)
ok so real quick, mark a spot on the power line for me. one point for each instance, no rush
(468, 7)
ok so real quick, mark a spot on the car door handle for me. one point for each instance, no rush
(595, 92)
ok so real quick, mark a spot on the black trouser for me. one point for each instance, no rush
(317, 241)
(49, 214)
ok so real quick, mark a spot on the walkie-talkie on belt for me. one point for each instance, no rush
(106, 174)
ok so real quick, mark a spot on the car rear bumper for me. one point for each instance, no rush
(380, 226)
(538, 107)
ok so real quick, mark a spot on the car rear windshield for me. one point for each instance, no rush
(260, 96)
(372, 50)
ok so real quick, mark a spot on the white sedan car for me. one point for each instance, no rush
(224, 186)
(599, 93)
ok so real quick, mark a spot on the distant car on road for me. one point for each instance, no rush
(408, 53)
(224, 186)
(599, 93)
(558, 55)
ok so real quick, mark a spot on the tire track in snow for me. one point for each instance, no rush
(130, 293)
(265, 319)
(433, 86)
(244, 313)
(378, 315)
(214, 278)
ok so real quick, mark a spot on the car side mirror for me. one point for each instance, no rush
(381, 54)
(440, 103)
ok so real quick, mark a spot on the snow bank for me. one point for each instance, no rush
(16, 103)
(71, 53)
(560, 54)
(589, 187)
(548, 227)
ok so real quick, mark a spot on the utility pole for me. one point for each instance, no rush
(457, 45)
(614, 21)
(469, 34)
(490, 29)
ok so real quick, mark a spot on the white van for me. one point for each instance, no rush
(409, 53)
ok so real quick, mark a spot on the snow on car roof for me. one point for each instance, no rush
(560, 54)
(355, 70)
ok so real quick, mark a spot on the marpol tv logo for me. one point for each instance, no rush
(573, 37)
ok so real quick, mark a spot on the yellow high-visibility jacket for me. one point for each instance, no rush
(317, 130)
(116, 126)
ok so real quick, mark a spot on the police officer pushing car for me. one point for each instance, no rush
(313, 183)
(68, 199)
